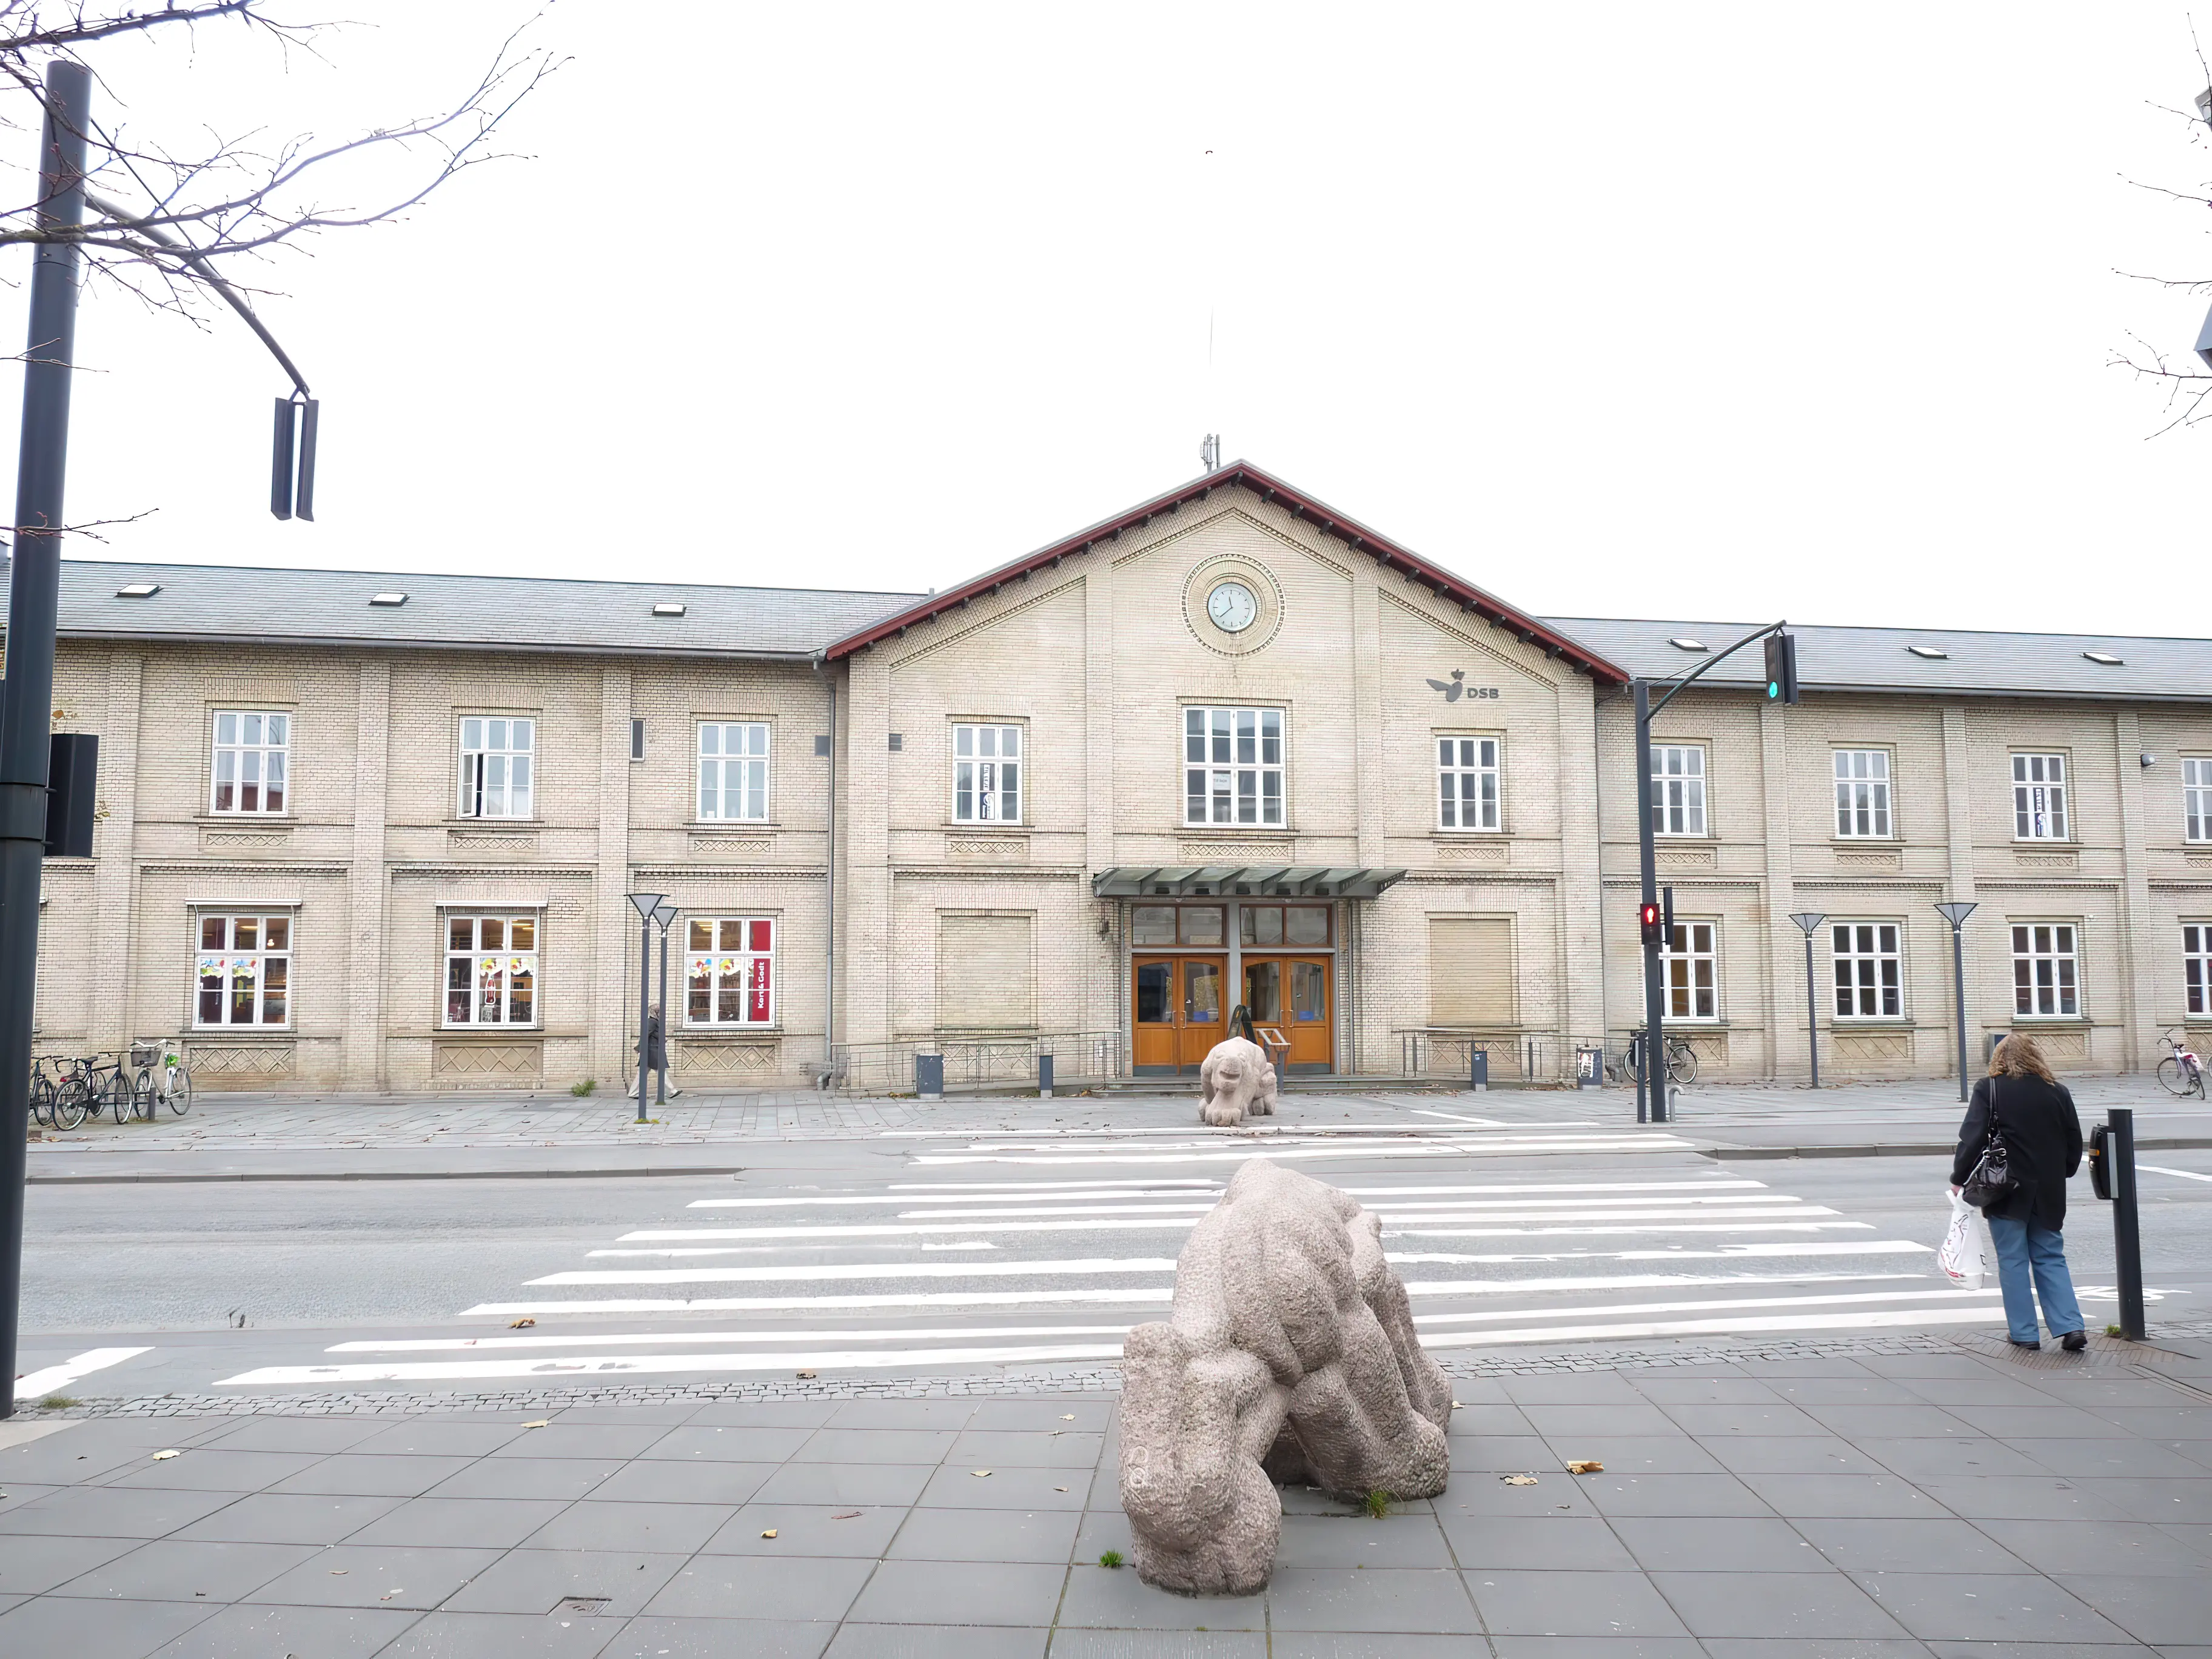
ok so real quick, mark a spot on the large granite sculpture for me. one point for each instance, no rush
(1288, 1356)
(1236, 1081)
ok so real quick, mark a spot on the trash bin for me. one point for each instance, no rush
(1044, 1077)
(1589, 1068)
(929, 1076)
(1478, 1069)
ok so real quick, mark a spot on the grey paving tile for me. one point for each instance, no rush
(445, 1522)
(1488, 1494)
(1990, 1608)
(288, 1518)
(23, 1493)
(1731, 1419)
(1103, 1531)
(1820, 1605)
(1565, 1543)
(1570, 1388)
(1505, 1453)
(718, 1639)
(258, 1633)
(1378, 1599)
(1470, 1422)
(536, 1580)
(727, 1444)
(1623, 1417)
(589, 1524)
(662, 1414)
(1644, 1454)
(112, 1630)
(214, 1469)
(2193, 1536)
(1857, 1390)
(955, 1486)
(2124, 1649)
(1887, 1545)
(1215, 1644)
(1864, 1647)
(1790, 1453)
(2050, 1421)
(991, 1447)
(808, 1530)
(375, 1575)
(791, 1587)
(765, 1413)
(31, 1565)
(1717, 1544)
(523, 1477)
(961, 1592)
(1871, 1496)
(987, 1535)
(1516, 1603)
(174, 1570)
(1668, 1388)
(68, 1457)
(2138, 1459)
(1597, 1647)
(702, 1482)
(1671, 1494)
(2163, 1422)
(840, 1445)
(503, 1635)
(1397, 1541)
(857, 1641)
(365, 1475)
(1925, 1422)
(107, 1512)
(593, 1440)
(445, 1436)
(1114, 1598)
(849, 1483)
(904, 1414)
(1048, 1412)
(1925, 1364)
(1923, 1460)
(296, 1434)
(2112, 1546)
(2150, 1500)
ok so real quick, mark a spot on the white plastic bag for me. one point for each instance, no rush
(1960, 1258)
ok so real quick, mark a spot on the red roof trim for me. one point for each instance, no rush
(1392, 556)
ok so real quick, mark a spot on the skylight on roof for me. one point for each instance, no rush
(2105, 657)
(1682, 644)
(137, 590)
(1932, 652)
(387, 599)
(669, 607)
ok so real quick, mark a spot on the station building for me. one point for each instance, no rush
(369, 832)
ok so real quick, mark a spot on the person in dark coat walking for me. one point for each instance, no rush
(2042, 1134)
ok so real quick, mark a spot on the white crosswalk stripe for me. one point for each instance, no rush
(1560, 1236)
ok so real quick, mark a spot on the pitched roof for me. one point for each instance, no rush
(507, 613)
(1971, 663)
(1300, 505)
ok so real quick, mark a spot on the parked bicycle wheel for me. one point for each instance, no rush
(72, 1100)
(180, 1092)
(142, 1094)
(1681, 1063)
(42, 1098)
(115, 1091)
(2171, 1074)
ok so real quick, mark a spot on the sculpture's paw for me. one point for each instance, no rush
(1221, 1112)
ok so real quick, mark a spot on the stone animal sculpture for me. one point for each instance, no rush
(1288, 1356)
(1236, 1082)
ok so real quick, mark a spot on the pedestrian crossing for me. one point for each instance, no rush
(1045, 1248)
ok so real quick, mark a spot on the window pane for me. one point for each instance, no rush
(1269, 927)
(212, 929)
(761, 931)
(276, 933)
(1204, 924)
(522, 933)
(1306, 924)
(1152, 924)
(491, 933)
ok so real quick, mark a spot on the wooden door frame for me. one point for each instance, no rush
(1176, 956)
(1327, 962)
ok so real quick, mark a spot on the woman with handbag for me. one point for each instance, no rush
(2020, 1142)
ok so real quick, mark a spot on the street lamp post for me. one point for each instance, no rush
(1955, 912)
(645, 905)
(1807, 922)
(663, 917)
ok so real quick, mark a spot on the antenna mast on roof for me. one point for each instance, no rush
(1210, 451)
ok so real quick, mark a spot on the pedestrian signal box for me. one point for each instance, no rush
(1782, 668)
(1647, 917)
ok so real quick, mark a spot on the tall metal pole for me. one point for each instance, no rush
(1655, 1046)
(644, 1006)
(1958, 987)
(2127, 1238)
(1812, 1014)
(660, 1071)
(27, 704)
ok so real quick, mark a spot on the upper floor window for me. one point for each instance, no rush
(496, 764)
(252, 747)
(491, 970)
(1862, 793)
(1232, 765)
(1689, 971)
(245, 970)
(2039, 797)
(1678, 789)
(2196, 798)
(2196, 966)
(1869, 982)
(2045, 971)
(733, 770)
(728, 970)
(987, 773)
(1467, 783)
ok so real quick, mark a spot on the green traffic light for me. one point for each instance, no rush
(1773, 687)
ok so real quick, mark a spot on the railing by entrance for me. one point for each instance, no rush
(974, 1059)
(1524, 1057)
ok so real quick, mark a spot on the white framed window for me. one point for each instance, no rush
(2039, 797)
(987, 773)
(1232, 765)
(244, 971)
(2045, 971)
(1862, 793)
(491, 969)
(2196, 966)
(2196, 797)
(252, 754)
(729, 970)
(1869, 970)
(1467, 783)
(1678, 789)
(1689, 971)
(498, 763)
(733, 770)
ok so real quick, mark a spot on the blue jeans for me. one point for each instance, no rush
(2025, 1249)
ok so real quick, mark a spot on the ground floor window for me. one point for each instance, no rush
(1688, 968)
(1869, 983)
(2045, 970)
(729, 972)
(491, 970)
(245, 970)
(2196, 965)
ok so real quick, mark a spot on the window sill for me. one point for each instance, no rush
(490, 1030)
(1233, 831)
(495, 824)
(732, 825)
(985, 827)
(2049, 1019)
(266, 820)
(242, 1033)
(1884, 1022)
(1881, 842)
(1446, 832)
(682, 1031)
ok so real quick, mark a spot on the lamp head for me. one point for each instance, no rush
(1957, 910)
(1808, 920)
(645, 903)
(664, 913)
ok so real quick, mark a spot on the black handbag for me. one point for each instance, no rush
(1990, 1180)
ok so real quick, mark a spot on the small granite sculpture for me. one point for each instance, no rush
(1236, 1082)
(1288, 1355)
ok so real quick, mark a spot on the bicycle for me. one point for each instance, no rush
(2180, 1071)
(67, 1096)
(1681, 1061)
(171, 1086)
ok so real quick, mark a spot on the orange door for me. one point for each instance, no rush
(1291, 995)
(1153, 1005)
(1177, 1014)
(1205, 1019)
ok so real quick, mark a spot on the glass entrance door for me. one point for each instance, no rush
(1290, 993)
(1178, 1012)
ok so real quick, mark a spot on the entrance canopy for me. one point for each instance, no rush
(1240, 881)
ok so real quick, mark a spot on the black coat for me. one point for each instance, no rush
(2042, 1134)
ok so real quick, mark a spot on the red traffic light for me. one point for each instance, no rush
(1647, 917)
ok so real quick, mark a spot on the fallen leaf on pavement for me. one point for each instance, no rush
(1586, 1466)
(1518, 1480)
(521, 1324)
(981, 1475)
(340, 1572)
(849, 1515)
(769, 1533)
(810, 1374)
(1068, 1417)
(1457, 1406)
(160, 1455)
(1059, 1489)
(541, 1423)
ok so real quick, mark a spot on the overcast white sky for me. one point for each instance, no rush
(1735, 311)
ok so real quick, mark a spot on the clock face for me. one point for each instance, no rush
(1232, 607)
